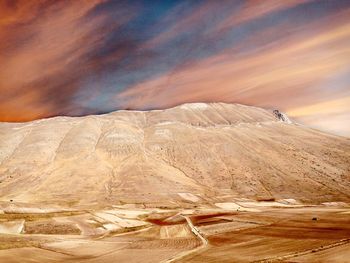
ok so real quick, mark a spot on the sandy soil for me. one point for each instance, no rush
(11, 227)
(205, 234)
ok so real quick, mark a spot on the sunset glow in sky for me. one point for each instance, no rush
(95, 56)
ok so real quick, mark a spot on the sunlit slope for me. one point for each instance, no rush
(209, 150)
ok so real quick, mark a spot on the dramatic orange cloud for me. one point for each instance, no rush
(253, 9)
(275, 76)
(94, 56)
(332, 116)
(42, 70)
(54, 41)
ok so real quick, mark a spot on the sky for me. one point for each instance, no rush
(96, 56)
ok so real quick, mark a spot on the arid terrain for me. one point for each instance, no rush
(195, 183)
(245, 231)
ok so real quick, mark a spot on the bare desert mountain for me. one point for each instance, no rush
(193, 153)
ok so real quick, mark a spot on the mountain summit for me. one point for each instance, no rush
(191, 153)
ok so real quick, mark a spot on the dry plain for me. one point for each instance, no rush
(248, 232)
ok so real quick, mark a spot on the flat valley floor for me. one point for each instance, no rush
(243, 231)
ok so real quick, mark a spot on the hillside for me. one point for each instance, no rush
(193, 153)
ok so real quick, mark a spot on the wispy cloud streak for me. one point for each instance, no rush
(81, 57)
